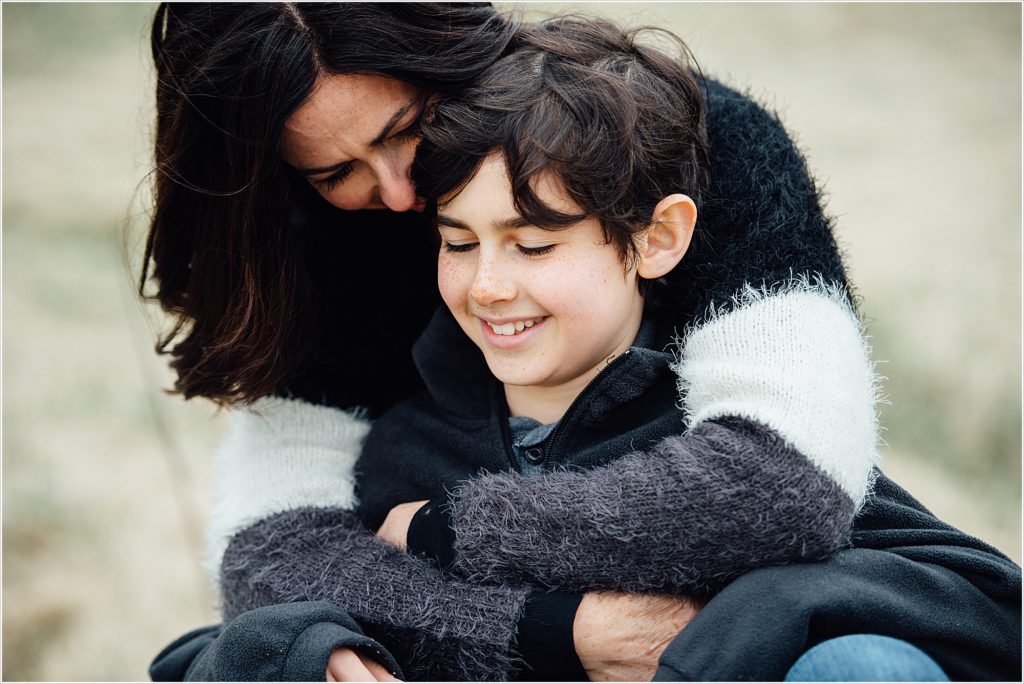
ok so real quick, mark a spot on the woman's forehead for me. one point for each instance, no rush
(343, 115)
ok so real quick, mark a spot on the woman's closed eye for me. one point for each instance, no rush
(338, 177)
(410, 131)
(335, 179)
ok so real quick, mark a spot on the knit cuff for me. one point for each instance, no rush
(430, 532)
(545, 638)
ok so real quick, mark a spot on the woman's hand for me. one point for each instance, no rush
(396, 526)
(346, 665)
(619, 636)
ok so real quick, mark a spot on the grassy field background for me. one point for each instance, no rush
(910, 115)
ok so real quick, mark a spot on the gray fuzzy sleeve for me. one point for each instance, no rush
(696, 512)
(438, 627)
(781, 440)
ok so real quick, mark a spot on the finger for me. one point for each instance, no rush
(377, 670)
(345, 665)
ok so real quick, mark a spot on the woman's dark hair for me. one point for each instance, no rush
(620, 125)
(223, 247)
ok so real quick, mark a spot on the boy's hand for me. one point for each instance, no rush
(396, 526)
(346, 665)
(620, 637)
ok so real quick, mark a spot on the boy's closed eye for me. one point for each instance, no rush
(461, 247)
(457, 239)
(525, 250)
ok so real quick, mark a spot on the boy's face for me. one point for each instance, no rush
(547, 308)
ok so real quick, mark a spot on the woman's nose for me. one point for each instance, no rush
(394, 181)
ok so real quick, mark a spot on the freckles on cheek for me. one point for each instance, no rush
(449, 281)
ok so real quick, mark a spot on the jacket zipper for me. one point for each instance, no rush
(503, 417)
(506, 432)
(549, 447)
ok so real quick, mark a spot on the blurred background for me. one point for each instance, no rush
(910, 115)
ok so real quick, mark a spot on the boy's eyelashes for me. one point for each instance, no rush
(461, 247)
(458, 248)
(535, 251)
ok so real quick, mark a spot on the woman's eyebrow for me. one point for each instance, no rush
(385, 131)
(324, 169)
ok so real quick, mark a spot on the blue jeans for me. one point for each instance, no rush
(865, 658)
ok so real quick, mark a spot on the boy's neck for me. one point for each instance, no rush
(543, 404)
(547, 404)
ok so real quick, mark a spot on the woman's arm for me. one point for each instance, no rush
(278, 455)
(776, 458)
(438, 628)
(281, 531)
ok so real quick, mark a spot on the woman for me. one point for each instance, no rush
(250, 260)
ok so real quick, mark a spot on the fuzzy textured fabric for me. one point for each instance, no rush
(646, 522)
(793, 358)
(687, 518)
(760, 225)
(280, 454)
(909, 576)
(437, 627)
(761, 222)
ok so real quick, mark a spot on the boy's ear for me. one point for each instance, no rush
(668, 238)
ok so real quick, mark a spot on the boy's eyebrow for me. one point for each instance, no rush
(510, 223)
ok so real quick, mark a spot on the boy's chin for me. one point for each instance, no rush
(514, 377)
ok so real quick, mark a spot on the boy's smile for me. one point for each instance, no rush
(546, 307)
(508, 334)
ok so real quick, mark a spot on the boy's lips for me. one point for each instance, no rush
(507, 333)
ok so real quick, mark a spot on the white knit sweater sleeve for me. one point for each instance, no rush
(795, 359)
(279, 455)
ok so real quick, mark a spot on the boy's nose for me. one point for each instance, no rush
(491, 286)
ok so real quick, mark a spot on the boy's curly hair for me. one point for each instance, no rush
(620, 125)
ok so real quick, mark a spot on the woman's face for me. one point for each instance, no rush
(354, 138)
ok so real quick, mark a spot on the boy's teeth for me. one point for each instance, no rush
(511, 328)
